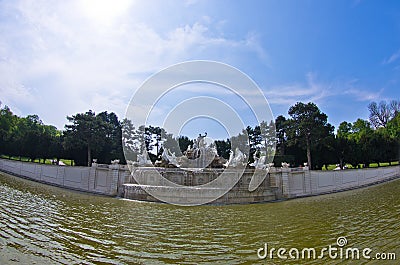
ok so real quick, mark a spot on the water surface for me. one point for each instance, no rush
(41, 223)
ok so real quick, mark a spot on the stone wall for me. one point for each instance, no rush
(308, 183)
(281, 183)
(101, 179)
(189, 180)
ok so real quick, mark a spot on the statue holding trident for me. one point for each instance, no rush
(200, 140)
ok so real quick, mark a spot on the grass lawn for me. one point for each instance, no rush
(47, 161)
(372, 165)
(67, 162)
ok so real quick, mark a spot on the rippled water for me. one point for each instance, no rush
(40, 223)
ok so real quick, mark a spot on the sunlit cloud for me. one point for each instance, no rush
(60, 58)
(312, 90)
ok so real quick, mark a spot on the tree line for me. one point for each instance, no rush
(87, 136)
(305, 136)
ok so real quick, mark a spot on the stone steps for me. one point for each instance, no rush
(237, 195)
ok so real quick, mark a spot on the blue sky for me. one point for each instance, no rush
(58, 58)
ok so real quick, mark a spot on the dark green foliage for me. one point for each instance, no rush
(99, 136)
(184, 143)
(112, 148)
(358, 143)
(223, 148)
(279, 159)
(309, 128)
(28, 137)
(305, 137)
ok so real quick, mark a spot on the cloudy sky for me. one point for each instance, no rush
(58, 58)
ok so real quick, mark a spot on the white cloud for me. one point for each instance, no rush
(364, 95)
(313, 90)
(392, 58)
(57, 59)
(317, 91)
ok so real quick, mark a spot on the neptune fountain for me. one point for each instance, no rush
(200, 170)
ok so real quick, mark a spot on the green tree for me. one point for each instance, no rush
(281, 128)
(359, 143)
(223, 148)
(392, 132)
(241, 141)
(267, 139)
(342, 142)
(171, 143)
(49, 143)
(308, 126)
(155, 139)
(361, 128)
(55, 148)
(254, 140)
(31, 132)
(130, 143)
(8, 125)
(345, 129)
(86, 132)
(393, 127)
(112, 147)
(184, 143)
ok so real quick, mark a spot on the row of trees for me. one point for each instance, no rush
(306, 136)
(28, 136)
(87, 136)
(93, 136)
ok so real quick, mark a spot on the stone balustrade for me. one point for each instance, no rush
(281, 183)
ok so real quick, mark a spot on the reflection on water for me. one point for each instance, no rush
(40, 223)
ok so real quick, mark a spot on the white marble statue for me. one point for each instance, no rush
(239, 157)
(200, 141)
(142, 159)
(229, 162)
(236, 158)
(164, 155)
(259, 163)
(170, 157)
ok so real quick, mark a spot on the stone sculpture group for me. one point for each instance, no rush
(202, 155)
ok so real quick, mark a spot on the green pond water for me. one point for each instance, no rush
(41, 224)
